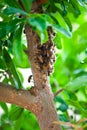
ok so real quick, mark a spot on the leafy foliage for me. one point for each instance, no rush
(67, 18)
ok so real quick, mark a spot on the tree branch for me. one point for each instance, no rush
(48, 115)
(23, 98)
(58, 92)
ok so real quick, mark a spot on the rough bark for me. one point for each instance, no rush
(22, 98)
(48, 114)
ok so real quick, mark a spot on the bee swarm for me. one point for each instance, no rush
(45, 55)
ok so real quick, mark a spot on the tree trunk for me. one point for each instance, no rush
(46, 115)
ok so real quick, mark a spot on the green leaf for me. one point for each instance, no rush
(68, 22)
(21, 76)
(81, 3)
(27, 4)
(77, 83)
(20, 58)
(7, 80)
(62, 30)
(12, 3)
(85, 1)
(59, 99)
(63, 117)
(51, 5)
(6, 126)
(74, 103)
(85, 60)
(8, 27)
(48, 19)
(15, 112)
(60, 18)
(38, 22)
(71, 95)
(11, 67)
(12, 10)
(83, 105)
(2, 64)
(78, 107)
(1, 1)
(75, 8)
(3, 30)
(43, 36)
(63, 107)
(57, 41)
(4, 107)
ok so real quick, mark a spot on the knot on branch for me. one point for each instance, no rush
(34, 91)
(45, 55)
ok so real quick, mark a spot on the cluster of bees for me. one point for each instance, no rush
(45, 55)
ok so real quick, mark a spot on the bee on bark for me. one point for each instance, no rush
(40, 59)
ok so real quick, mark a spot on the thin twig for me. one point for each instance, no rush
(58, 92)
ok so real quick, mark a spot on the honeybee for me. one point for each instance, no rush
(29, 79)
(40, 58)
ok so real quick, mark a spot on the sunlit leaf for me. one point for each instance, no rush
(71, 95)
(81, 2)
(20, 58)
(68, 22)
(4, 107)
(38, 22)
(75, 8)
(15, 112)
(62, 30)
(57, 41)
(12, 10)
(43, 36)
(77, 83)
